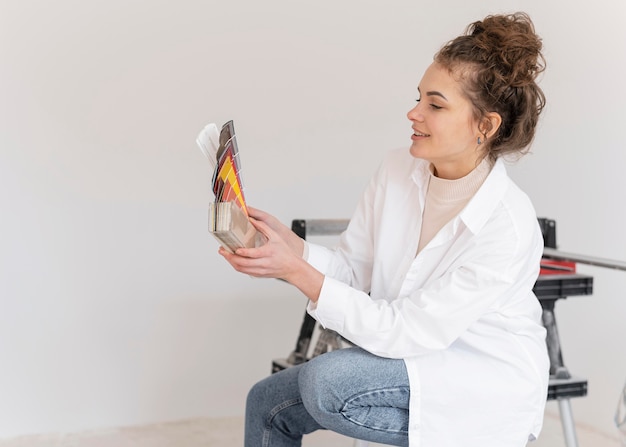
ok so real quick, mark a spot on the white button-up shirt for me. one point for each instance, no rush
(461, 313)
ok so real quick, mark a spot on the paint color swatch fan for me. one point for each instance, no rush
(228, 215)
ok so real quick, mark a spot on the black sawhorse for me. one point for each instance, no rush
(562, 386)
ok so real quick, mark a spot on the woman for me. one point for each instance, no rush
(433, 278)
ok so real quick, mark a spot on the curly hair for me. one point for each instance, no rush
(498, 61)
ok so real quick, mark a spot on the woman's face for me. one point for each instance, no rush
(445, 131)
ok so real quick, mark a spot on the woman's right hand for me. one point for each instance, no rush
(295, 243)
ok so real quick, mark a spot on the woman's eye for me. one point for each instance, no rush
(433, 106)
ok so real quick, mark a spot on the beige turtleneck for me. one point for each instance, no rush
(446, 198)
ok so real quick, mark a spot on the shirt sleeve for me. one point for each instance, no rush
(434, 316)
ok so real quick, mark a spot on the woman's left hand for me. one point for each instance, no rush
(275, 259)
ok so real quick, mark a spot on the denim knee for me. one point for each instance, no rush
(255, 396)
(316, 381)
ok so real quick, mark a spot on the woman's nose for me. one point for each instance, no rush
(415, 114)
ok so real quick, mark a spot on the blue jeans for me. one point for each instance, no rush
(349, 391)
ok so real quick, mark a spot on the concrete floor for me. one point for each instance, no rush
(228, 432)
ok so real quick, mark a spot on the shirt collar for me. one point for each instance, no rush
(482, 205)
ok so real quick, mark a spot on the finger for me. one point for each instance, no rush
(263, 228)
(256, 213)
(253, 252)
(249, 265)
(226, 254)
(235, 257)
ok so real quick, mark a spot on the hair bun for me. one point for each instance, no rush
(510, 45)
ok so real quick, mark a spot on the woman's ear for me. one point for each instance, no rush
(490, 124)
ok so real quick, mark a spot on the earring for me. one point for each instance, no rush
(479, 141)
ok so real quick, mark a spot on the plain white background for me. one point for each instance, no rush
(115, 308)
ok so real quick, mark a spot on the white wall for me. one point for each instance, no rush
(115, 308)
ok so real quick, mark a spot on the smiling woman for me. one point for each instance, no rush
(433, 278)
(483, 99)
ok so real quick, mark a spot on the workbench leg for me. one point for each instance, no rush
(567, 420)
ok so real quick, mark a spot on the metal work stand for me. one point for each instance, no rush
(563, 386)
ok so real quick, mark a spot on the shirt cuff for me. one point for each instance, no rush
(330, 308)
(318, 256)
